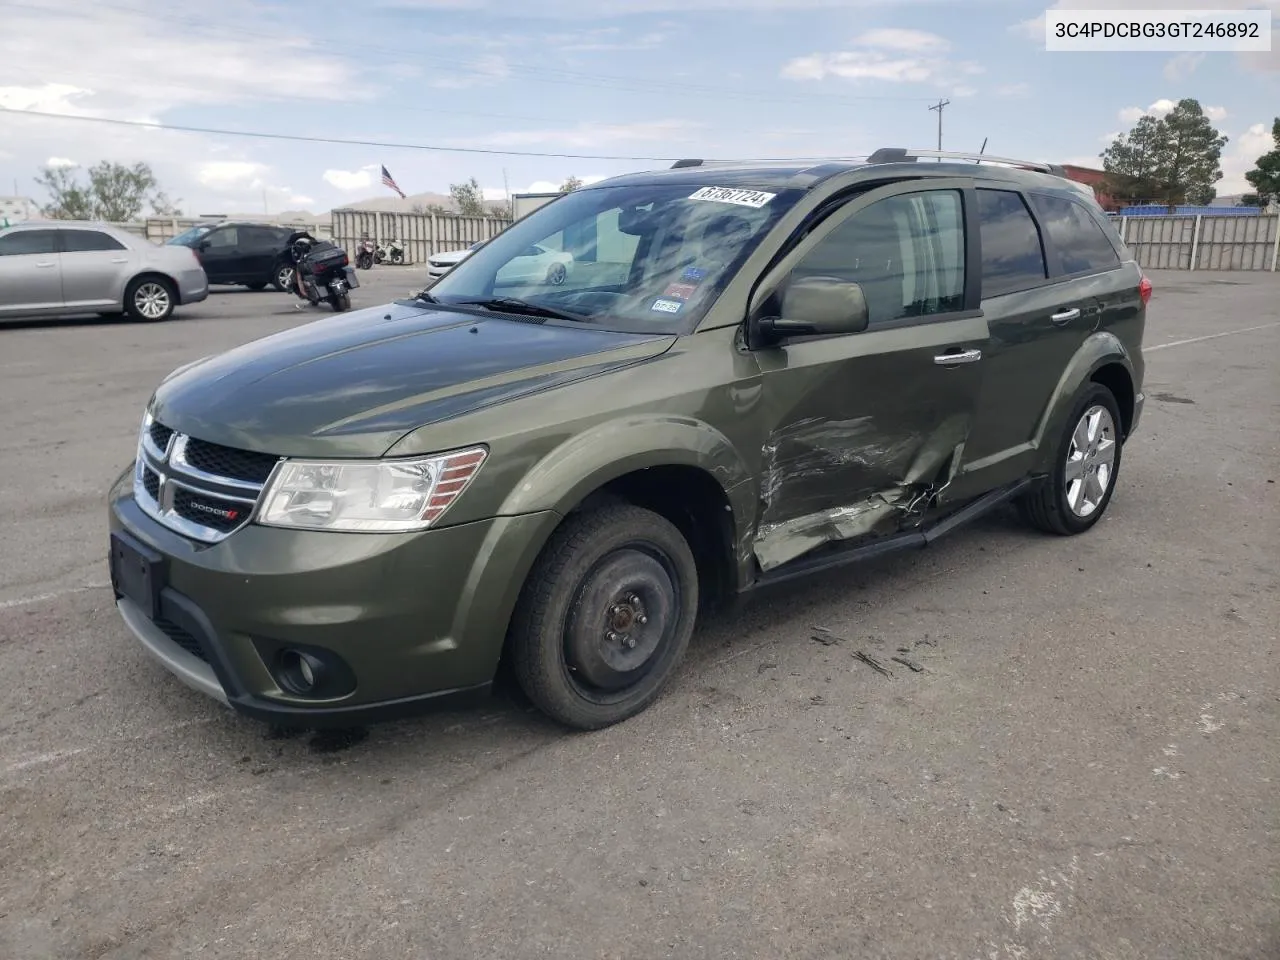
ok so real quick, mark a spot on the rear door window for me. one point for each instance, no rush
(1081, 244)
(84, 241)
(1012, 249)
(28, 242)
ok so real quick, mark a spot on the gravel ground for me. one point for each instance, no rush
(1083, 767)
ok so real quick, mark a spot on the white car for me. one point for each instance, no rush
(61, 267)
(537, 264)
(441, 263)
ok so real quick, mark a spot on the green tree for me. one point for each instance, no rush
(1176, 157)
(114, 192)
(1265, 175)
(469, 198)
(570, 185)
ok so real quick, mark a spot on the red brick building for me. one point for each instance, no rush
(1097, 179)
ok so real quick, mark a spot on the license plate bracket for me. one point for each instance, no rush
(137, 573)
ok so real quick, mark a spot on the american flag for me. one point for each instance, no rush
(387, 181)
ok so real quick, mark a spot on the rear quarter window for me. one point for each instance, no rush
(1081, 243)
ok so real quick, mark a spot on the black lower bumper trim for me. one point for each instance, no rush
(358, 715)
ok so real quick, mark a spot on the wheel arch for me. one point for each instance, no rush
(1102, 358)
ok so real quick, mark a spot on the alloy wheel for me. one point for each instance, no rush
(1091, 458)
(152, 301)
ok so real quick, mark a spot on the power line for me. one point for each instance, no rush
(390, 145)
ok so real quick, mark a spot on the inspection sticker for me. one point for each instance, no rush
(742, 198)
(693, 275)
(680, 291)
(667, 306)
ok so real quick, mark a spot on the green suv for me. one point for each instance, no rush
(746, 372)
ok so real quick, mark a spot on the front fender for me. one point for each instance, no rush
(1100, 349)
(584, 463)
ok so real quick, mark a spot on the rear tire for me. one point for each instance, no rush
(1085, 466)
(150, 300)
(605, 616)
(282, 277)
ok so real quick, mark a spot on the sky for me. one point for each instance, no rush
(639, 82)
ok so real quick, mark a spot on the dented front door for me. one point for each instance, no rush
(862, 430)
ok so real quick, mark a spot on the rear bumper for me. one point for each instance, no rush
(1138, 402)
(193, 286)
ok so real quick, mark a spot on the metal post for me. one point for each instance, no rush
(1124, 229)
(1195, 241)
(940, 106)
(1275, 246)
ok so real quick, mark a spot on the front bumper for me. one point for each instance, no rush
(411, 621)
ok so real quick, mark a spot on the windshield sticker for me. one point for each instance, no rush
(666, 306)
(742, 198)
(680, 291)
(693, 275)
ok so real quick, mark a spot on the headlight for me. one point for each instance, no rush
(382, 496)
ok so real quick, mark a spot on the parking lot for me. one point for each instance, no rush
(1084, 765)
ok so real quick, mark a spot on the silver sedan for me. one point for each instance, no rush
(58, 267)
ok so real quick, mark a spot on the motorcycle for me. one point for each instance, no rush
(322, 271)
(392, 251)
(365, 254)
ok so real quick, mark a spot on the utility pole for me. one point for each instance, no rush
(940, 106)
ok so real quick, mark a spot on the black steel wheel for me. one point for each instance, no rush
(605, 616)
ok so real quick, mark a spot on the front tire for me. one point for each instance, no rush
(605, 616)
(150, 300)
(1086, 464)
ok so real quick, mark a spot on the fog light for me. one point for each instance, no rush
(299, 672)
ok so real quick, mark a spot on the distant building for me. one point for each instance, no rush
(1097, 179)
(17, 209)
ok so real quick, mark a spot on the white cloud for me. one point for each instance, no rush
(912, 41)
(231, 174)
(350, 180)
(1182, 66)
(890, 55)
(60, 163)
(586, 135)
(1161, 107)
(1241, 155)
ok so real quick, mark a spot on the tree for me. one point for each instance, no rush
(114, 192)
(570, 185)
(1265, 175)
(1176, 157)
(468, 198)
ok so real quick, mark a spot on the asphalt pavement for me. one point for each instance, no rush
(1074, 755)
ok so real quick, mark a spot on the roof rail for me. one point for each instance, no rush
(689, 162)
(903, 155)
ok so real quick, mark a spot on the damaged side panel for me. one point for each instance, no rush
(901, 477)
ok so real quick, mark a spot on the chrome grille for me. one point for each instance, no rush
(202, 490)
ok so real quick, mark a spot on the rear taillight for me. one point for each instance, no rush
(1144, 290)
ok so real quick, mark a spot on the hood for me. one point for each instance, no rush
(449, 256)
(354, 384)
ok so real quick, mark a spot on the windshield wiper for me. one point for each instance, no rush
(516, 305)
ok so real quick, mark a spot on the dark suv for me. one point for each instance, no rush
(254, 255)
(747, 373)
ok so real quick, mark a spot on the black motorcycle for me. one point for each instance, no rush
(322, 271)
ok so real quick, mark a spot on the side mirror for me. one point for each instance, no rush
(818, 307)
(203, 245)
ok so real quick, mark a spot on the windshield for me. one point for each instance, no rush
(188, 237)
(638, 258)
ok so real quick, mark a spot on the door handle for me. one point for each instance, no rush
(960, 356)
(44, 264)
(119, 259)
(1065, 316)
